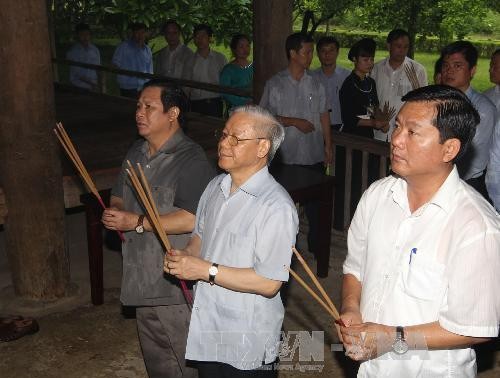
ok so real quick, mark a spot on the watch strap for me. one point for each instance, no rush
(400, 333)
(140, 224)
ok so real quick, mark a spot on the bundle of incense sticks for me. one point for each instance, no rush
(77, 162)
(386, 112)
(411, 73)
(143, 191)
(328, 305)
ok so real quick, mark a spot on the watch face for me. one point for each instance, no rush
(139, 229)
(400, 346)
(213, 270)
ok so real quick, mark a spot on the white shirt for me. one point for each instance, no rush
(306, 99)
(253, 227)
(205, 70)
(171, 63)
(392, 84)
(453, 277)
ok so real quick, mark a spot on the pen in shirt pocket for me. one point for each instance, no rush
(413, 251)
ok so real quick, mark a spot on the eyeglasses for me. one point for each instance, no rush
(233, 140)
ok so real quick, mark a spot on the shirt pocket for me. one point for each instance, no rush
(164, 198)
(423, 279)
(242, 250)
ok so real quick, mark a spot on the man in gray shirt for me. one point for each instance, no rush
(245, 228)
(178, 172)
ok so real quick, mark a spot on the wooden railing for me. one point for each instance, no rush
(181, 82)
(366, 147)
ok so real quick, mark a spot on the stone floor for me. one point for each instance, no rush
(78, 340)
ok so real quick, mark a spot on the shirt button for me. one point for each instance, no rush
(196, 308)
(148, 166)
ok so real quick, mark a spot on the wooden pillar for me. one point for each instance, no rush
(30, 168)
(272, 23)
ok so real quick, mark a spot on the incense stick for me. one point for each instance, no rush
(411, 73)
(70, 150)
(316, 283)
(143, 190)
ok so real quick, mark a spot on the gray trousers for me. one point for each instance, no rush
(163, 334)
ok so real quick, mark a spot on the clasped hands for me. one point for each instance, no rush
(185, 267)
(364, 341)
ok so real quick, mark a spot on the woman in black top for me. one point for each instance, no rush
(358, 95)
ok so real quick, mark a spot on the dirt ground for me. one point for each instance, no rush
(97, 341)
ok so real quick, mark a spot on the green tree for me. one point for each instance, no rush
(444, 18)
(317, 12)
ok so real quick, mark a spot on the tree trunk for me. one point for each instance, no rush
(413, 21)
(30, 167)
(272, 23)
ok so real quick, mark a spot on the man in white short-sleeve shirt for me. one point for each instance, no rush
(421, 276)
(390, 75)
(245, 228)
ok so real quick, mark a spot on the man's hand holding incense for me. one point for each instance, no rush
(178, 263)
(367, 340)
(114, 219)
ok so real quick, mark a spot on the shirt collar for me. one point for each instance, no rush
(442, 198)
(169, 147)
(253, 186)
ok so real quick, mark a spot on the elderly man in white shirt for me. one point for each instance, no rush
(245, 228)
(391, 77)
(421, 279)
(172, 59)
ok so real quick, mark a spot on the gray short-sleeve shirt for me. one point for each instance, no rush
(178, 173)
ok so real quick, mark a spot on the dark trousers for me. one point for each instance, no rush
(210, 106)
(221, 370)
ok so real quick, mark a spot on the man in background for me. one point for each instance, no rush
(459, 67)
(331, 76)
(172, 59)
(390, 75)
(493, 171)
(205, 66)
(133, 54)
(85, 52)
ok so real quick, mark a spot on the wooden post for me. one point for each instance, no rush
(30, 167)
(272, 23)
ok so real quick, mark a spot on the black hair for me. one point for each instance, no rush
(327, 41)
(438, 66)
(455, 115)
(294, 42)
(203, 27)
(496, 52)
(236, 38)
(465, 48)
(396, 34)
(171, 95)
(363, 47)
(82, 27)
(170, 21)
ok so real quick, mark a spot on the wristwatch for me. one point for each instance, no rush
(400, 345)
(212, 272)
(140, 226)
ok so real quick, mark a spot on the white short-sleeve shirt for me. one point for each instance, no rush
(439, 263)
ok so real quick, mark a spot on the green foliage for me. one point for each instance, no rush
(225, 17)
